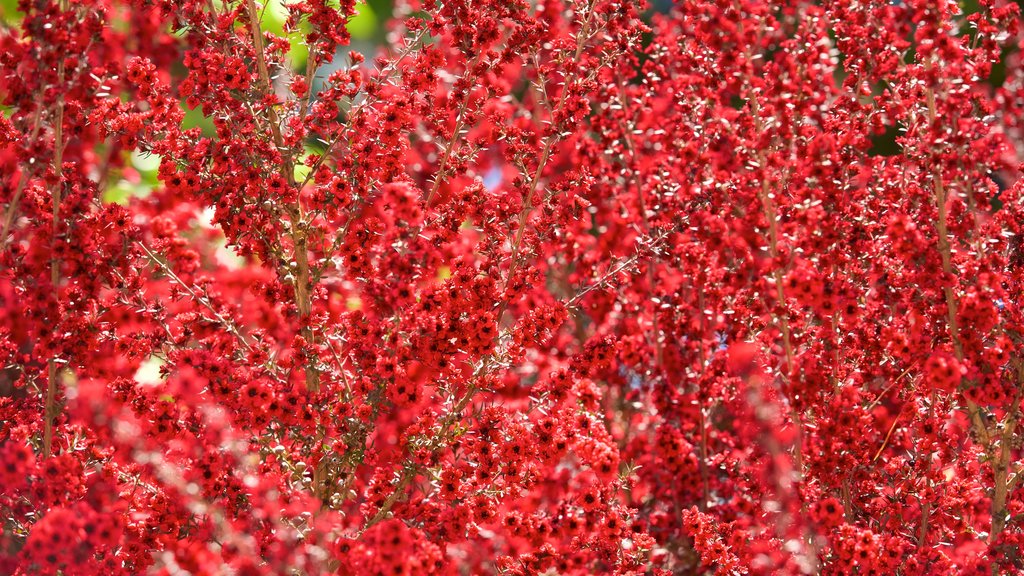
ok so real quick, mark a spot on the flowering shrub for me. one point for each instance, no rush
(554, 287)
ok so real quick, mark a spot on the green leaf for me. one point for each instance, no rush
(9, 13)
(364, 25)
(195, 118)
(119, 194)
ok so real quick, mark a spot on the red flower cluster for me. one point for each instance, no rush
(566, 287)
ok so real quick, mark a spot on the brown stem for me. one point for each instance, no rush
(410, 472)
(299, 237)
(847, 500)
(268, 86)
(1004, 483)
(888, 435)
(52, 372)
(12, 208)
(226, 323)
(704, 473)
(449, 147)
(1001, 469)
(310, 72)
(524, 214)
(782, 318)
(999, 456)
(627, 138)
(973, 410)
(926, 509)
(768, 207)
(704, 476)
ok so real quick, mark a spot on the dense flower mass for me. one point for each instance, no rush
(528, 287)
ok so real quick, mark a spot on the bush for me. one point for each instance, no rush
(576, 287)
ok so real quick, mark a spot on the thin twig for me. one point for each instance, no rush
(50, 407)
